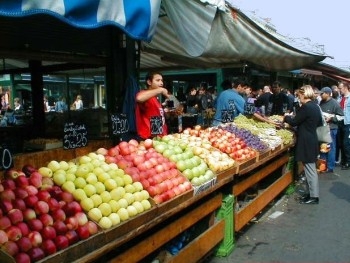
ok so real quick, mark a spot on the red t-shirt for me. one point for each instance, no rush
(144, 113)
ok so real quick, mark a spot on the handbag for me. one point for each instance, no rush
(324, 132)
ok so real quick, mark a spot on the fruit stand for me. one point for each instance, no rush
(204, 177)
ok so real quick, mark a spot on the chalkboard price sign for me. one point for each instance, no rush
(75, 135)
(156, 125)
(6, 161)
(120, 124)
(227, 116)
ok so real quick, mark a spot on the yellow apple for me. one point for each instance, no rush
(87, 204)
(119, 180)
(127, 179)
(105, 222)
(80, 182)
(117, 193)
(59, 179)
(84, 159)
(110, 184)
(145, 194)
(138, 196)
(114, 217)
(92, 155)
(82, 171)
(89, 189)
(96, 163)
(106, 196)
(146, 204)
(105, 167)
(70, 177)
(101, 157)
(123, 203)
(123, 214)
(79, 194)
(64, 165)
(45, 171)
(105, 209)
(95, 214)
(68, 186)
(138, 186)
(129, 197)
(103, 177)
(91, 178)
(100, 187)
(131, 211)
(139, 207)
(129, 188)
(97, 199)
(98, 170)
(53, 165)
(113, 166)
(114, 205)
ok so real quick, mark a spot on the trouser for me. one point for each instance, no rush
(312, 179)
(346, 144)
(330, 156)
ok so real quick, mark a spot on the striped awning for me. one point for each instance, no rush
(137, 18)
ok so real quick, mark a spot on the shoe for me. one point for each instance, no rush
(303, 197)
(345, 166)
(310, 201)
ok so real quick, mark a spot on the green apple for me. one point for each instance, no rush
(129, 197)
(114, 205)
(100, 187)
(110, 184)
(79, 194)
(70, 177)
(96, 163)
(105, 209)
(146, 204)
(91, 178)
(59, 179)
(114, 217)
(123, 203)
(105, 222)
(68, 186)
(145, 194)
(87, 204)
(80, 182)
(120, 172)
(82, 171)
(105, 167)
(72, 169)
(64, 165)
(139, 207)
(123, 214)
(113, 166)
(45, 171)
(53, 165)
(89, 189)
(97, 199)
(117, 193)
(98, 170)
(127, 179)
(138, 186)
(129, 188)
(101, 157)
(106, 196)
(132, 211)
(95, 214)
(138, 196)
(119, 180)
(103, 176)
(84, 159)
(92, 155)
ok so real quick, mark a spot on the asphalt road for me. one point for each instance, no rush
(303, 233)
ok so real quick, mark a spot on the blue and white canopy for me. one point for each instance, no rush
(137, 18)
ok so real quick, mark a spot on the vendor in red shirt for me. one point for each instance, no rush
(149, 113)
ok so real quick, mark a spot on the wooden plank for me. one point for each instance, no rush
(243, 216)
(164, 235)
(201, 245)
(240, 187)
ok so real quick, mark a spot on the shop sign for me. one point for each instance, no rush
(120, 124)
(74, 135)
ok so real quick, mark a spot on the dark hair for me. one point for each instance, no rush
(150, 75)
(276, 84)
(241, 82)
(226, 84)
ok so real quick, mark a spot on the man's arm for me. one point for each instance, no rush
(145, 95)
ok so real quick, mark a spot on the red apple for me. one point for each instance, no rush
(24, 244)
(31, 189)
(83, 231)
(21, 181)
(36, 179)
(58, 215)
(72, 237)
(19, 204)
(43, 195)
(9, 184)
(61, 242)
(15, 216)
(24, 228)
(3, 237)
(35, 238)
(7, 194)
(82, 218)
(20, 192)
(55, 191)
(36, 253)
(35, 224)
(6, 206)
(72, 208)
(66, 196)
(53, 204)
(31, 200)
(60, 227)
(29, 214)
(41, 207)
(11, 248)
(22, 257)
(47, 183)
(5, 222)
(46, 219)
(92, 226)
(49, 247)
(13, 233)
(72, 223)
(28, 169)
(113, 152)
(11, 174)
(48, 232)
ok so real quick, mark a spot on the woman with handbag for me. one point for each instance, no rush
(307, 118)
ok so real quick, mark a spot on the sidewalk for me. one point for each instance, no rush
(303, 233)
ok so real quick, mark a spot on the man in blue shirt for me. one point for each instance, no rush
(230, 103)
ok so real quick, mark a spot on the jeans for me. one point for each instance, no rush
(330, 156)
(346, 143)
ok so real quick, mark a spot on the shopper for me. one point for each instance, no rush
(332, 112)
(61, 105)
(307, 118)
(150, 120)
(78, 103)
(191, 101)
(278, 101)
(18, 105)
(345, 126)
(230, 103)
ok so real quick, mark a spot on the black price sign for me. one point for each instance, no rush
(6, 161)
(156, 125)
(227, 116)
(120, 124)
(75, 135)
(249, 108)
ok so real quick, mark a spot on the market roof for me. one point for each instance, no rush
(213, 34)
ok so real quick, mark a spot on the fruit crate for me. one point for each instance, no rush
(277, 148)
(205, 186)
(228, 173)
(245, 164)
(174, 202)
(263, 155)
(43, 145)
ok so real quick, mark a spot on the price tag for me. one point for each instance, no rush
(75, 135)
(227, 116)
(6, 161)
(156, 125)
(120, 124)
(249, 108)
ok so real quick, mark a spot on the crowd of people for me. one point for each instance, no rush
(302, 109)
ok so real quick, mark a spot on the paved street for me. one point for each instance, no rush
(303, 233)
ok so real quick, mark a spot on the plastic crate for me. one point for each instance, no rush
(226, 212)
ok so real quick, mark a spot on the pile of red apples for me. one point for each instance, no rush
(37, 218)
